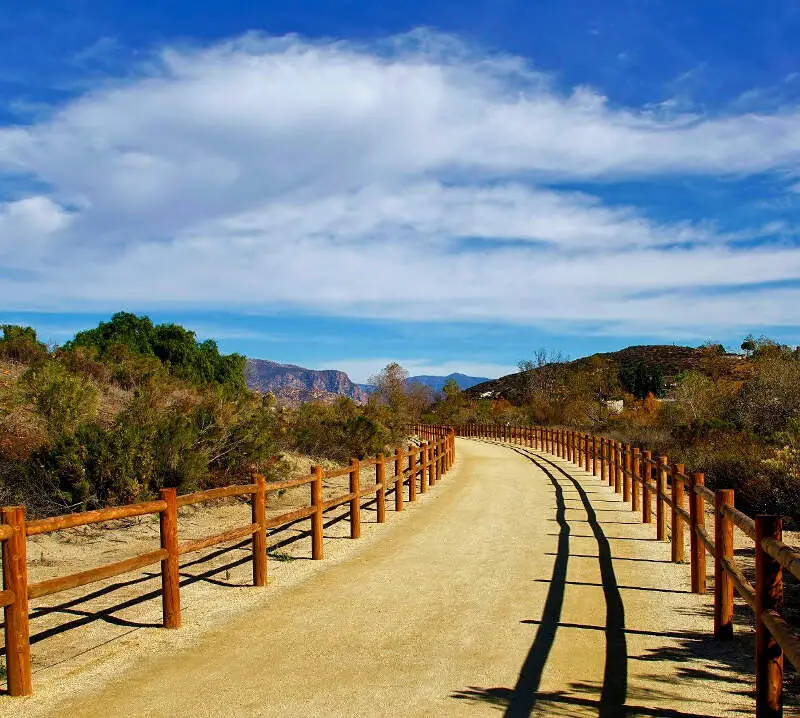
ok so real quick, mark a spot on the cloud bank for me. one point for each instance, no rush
(413, 178)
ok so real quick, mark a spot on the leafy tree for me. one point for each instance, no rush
(128, 336)
(21, 344)
(388, 403)
(640, 379)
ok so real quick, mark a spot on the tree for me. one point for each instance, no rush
(450, 406)
(419, 398)
(21, 344)
(640, 379)
(388, 402)
(695, 397)
(390, 386)
(541, 374)
(128, 335)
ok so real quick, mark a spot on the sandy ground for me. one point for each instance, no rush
(512, 586)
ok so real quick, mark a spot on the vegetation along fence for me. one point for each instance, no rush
(422, 464)
(642, 480)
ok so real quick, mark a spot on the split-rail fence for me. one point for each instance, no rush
(643, 479)
(418, 467)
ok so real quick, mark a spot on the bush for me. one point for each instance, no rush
(338, 432)
(60, 398)
(21, 344)
(127, 336)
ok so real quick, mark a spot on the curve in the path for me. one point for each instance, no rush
(466, 603)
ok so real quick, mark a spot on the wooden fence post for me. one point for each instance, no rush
(723, 585)
(696, 547)
(316, 517)
(677, 519)
(611, 449)
(439, 461)
(636, 480)
(398, 479)
(626, 473)
(451, 451)
(17, 629)
(661, 505)
(259, 516)
(170, 574)
(587, 454)
(423, 468)
(431, 467)
(355, 501)
(769, 597)
(618, 449)
(380, 479)
(602, 458)
(647, 499)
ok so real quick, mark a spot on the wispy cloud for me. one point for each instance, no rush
(413, 178)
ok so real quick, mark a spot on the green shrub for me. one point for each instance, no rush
(63, 400)
(174, 347)
(338, 432)
(22, 345)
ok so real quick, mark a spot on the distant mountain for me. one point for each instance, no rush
(295, 384)
(664, 360)
(437, 382)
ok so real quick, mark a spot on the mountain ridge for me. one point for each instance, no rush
(293, 384)
(436, 382)
(668, 361)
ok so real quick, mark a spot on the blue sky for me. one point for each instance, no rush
(447, 184)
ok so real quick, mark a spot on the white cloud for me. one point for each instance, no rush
(27, 229)
(413, 178)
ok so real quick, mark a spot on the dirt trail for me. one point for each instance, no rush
(512, 587)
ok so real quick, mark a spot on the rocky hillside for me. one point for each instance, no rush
(294, 384)
(665, 360)
(437, 382)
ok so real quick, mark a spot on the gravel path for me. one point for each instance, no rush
(511, 587)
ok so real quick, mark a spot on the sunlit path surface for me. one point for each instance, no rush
(520, 586)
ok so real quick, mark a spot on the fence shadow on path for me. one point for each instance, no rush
(194, 571)
(525, 697)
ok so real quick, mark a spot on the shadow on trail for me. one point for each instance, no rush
(522, 699)
(558, 703)
(525, 696)
(615, 673)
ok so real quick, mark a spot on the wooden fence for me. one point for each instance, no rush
(642, 480)
(421, 465)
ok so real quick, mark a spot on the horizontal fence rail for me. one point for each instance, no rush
(643, 479)
(417, 468)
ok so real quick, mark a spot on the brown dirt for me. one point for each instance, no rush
(483, 596)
